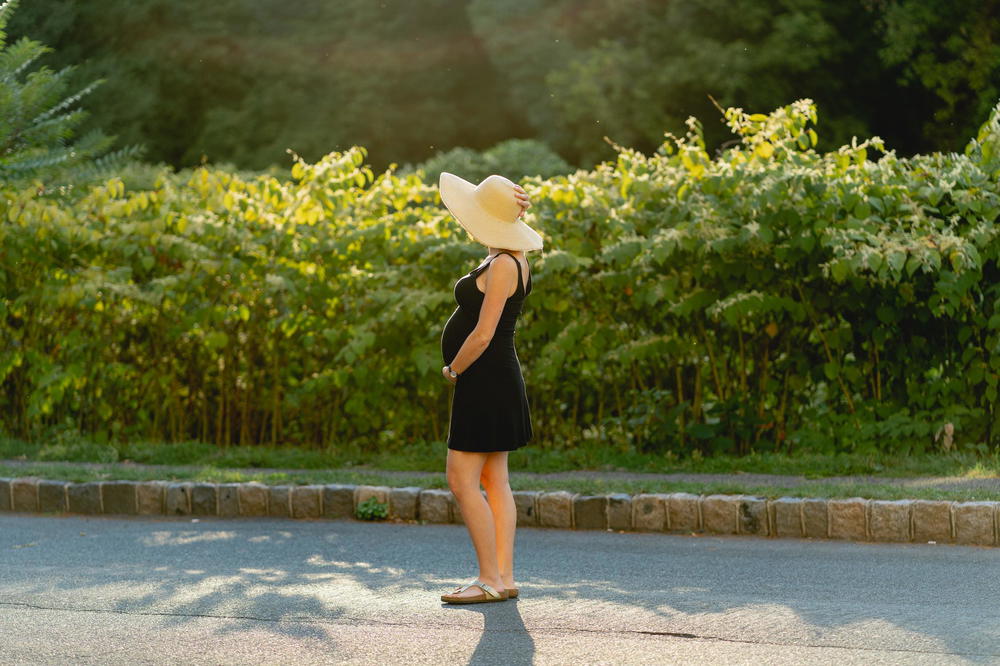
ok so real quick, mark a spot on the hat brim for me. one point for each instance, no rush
(457, 195)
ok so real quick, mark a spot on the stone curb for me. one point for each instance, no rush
(854, 519)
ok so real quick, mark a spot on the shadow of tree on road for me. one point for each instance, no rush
(300, 578)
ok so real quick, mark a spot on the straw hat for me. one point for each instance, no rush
(488, 211)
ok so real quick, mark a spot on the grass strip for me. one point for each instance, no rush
(80, 474)
(585, 455)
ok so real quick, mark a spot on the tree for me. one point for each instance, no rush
(951, 48)
(39, 117)
(241, 81)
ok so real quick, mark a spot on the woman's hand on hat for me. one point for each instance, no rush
(522, 199)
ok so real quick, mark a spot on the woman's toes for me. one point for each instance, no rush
(470, 592)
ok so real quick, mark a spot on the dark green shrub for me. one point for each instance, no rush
(40, 117)
(514, 158)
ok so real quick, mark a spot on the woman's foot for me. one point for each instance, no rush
(475, 590)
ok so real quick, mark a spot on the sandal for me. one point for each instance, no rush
(488, 595)
(512, 593)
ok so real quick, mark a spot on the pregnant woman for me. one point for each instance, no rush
(489, 408)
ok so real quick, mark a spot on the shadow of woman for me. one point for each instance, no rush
(505, 639)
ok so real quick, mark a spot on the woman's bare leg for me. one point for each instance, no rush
(464, 469)
(501, 500)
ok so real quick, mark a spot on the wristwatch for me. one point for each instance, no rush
(451, 372)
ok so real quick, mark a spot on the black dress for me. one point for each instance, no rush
(489, 408)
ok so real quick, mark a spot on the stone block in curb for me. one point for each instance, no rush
(307, 501)
(150, 498)
(555, 509)
(279, 501)
(178, 499)
(974, 523)
(435, 505)
(5, 501)
(252, 498)
(786, 516)
(338, 500)
(752, 516)
(84, 497)
(118, 497)
(526, 502)
(720, 513)
(24, 494)
(815, 518)
(404, 502)
(620, 511)
(229, 500)
(204, 499)
(649, 512)
(890, 520)
(848, 518)
(683, 512)
(52, 496)
(363, 493)
(931, 521)
(590, 512)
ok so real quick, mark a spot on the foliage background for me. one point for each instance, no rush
(241, 81)
(753, 286)
(773, 297)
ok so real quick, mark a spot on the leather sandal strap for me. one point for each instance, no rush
(486, 588)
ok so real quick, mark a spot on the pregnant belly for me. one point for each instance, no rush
(455, 332)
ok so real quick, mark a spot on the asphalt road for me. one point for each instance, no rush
(100, 590)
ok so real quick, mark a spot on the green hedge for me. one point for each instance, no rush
(770, 297)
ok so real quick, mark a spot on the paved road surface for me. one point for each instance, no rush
(107, 590)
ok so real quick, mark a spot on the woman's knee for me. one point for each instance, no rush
(461, 484)
(493, 481)
(463, 472)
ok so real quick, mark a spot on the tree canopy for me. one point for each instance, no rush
(243, 81)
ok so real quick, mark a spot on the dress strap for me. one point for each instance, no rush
(520, 284)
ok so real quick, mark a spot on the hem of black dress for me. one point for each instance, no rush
(519, 446)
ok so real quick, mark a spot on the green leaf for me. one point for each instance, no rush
(839, 270)
(216, 340)
(896, 260)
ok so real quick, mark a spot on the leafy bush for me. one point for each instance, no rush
(768, 298)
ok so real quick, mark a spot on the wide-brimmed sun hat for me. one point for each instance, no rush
(488, 211)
